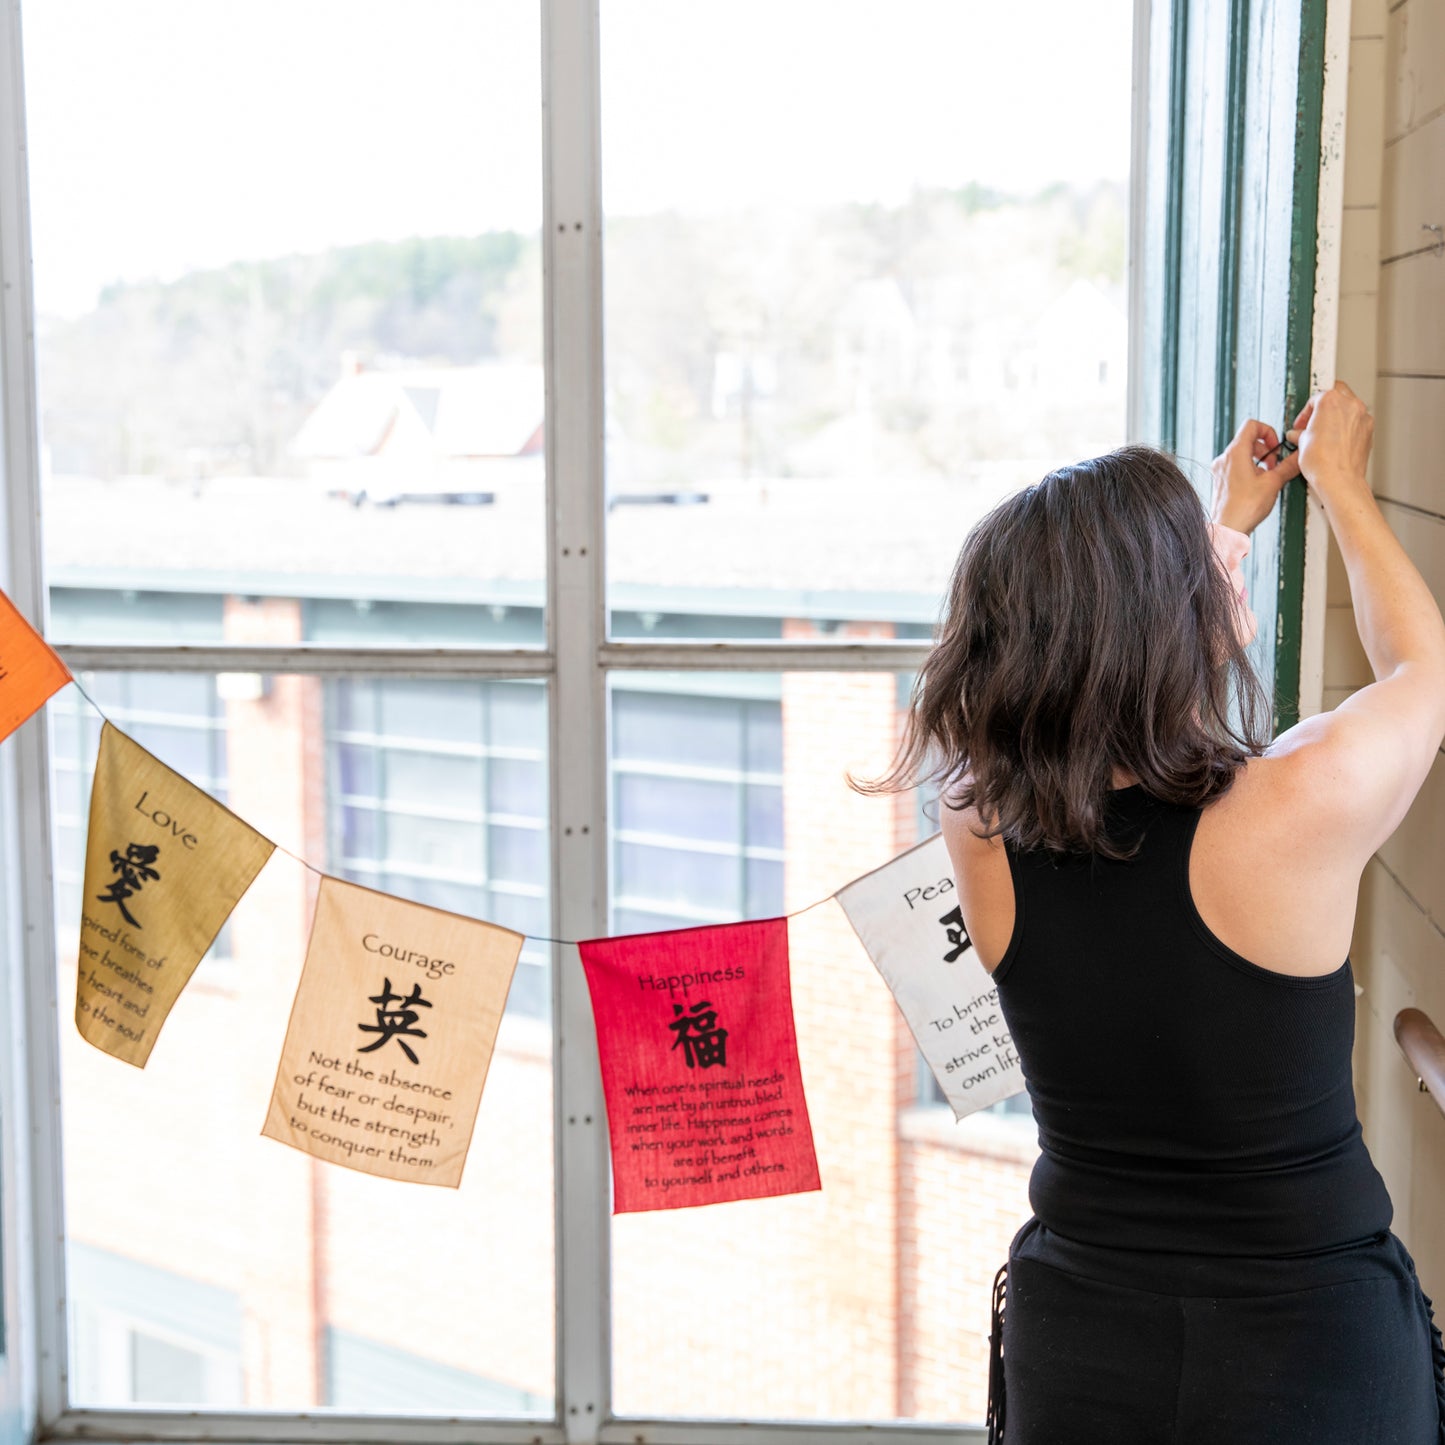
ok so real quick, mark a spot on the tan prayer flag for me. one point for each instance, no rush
(391, 1035)
(165, 864)
(29, 671)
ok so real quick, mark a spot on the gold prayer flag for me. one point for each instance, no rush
(29, 671)
(391, 1035)
(165, 864)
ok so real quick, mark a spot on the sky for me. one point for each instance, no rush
(164, 136)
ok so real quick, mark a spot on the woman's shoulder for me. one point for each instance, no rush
(1267, 878)
(961, 824)
(1283, 801)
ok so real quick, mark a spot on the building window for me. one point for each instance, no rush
(697, 807)
(146, 1336)
(365, 1376)
(438, 793)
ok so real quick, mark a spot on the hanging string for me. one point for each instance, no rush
(322, 873)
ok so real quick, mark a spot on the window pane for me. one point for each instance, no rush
(289, 319)
(875, 1293)
(165, 1374)
(185, 749)
(680, 807)
(450, 712)
(360, 833)
(518, 787)
(765, 815)
(356, 708)
(205, 1272)
(837, 332)
(678, 877)
(660, 727)
(518, 717)
(517, 854)
(524, 912)
(765, 740)
(356, 766)
(433, 843)
(432, 780)
(765, 887)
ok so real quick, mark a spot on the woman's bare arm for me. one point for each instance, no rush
(1366, 760)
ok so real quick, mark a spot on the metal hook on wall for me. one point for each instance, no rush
(1438, 249)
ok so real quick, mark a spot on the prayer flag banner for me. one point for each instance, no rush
(700, 1065)
(391, 1035)
(165, 864)
(30, 672)
(906, 913)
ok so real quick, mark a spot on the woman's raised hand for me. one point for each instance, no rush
(1248, 477)
(1334, 431)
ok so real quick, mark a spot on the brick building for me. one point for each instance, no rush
(214, 1266)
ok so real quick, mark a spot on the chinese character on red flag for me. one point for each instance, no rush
(700, 1065)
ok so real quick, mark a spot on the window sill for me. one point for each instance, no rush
(1013, 1140)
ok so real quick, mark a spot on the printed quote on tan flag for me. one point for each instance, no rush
(391, 1035)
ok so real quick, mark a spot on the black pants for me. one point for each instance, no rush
(1121, 1347)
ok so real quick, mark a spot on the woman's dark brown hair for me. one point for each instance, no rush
(1089, 625)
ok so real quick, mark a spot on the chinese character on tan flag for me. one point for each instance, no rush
(29, 671)
(165, 864)
(700, 1065)
(391, 1035)
(906, 913)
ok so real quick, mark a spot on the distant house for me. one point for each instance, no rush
(875, 342)
(1074, 347)
(447, 433)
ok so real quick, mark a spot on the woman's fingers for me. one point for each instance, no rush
(1262, 442)
(1288, 468)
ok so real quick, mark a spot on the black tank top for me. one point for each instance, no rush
(1186, 1098)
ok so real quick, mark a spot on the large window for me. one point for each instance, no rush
(438, 793)
(512, 454)
(697, 805)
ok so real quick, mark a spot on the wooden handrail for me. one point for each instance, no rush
(1421, 1043)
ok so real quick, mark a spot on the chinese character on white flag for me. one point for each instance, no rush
(907, 915)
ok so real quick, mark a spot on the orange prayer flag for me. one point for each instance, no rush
(29, 671)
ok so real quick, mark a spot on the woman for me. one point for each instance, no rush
(1164, 897)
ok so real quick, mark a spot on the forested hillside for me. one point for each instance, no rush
(213, 373)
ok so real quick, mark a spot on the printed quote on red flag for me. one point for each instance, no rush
(700, 1066)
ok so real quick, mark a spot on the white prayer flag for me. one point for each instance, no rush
(907, 915)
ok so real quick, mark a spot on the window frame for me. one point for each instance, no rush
(575, 661)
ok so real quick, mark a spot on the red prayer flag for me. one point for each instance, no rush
(29, 671)
(700, 1065)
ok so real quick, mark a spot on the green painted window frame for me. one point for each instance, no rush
(1226, 259)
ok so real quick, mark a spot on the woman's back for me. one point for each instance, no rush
(1187, 1098)
(1210, 1256)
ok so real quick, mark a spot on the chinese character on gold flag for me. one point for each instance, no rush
(165, 864)
(391, 1035)
(29, 671)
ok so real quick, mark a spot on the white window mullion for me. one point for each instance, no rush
(33, 1370)
(572, 269)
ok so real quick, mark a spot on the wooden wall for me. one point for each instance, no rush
(1392, 350)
